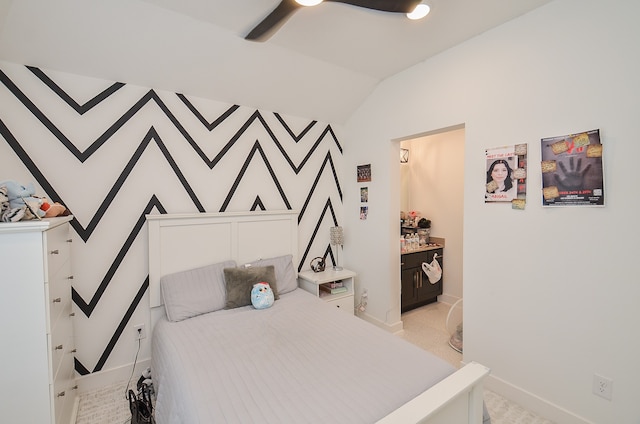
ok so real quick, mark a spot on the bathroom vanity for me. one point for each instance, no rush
(417, 290)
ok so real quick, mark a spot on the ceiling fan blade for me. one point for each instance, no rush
(273, 21)
(399, 6)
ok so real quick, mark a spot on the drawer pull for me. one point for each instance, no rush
(60, 394)
(69, 241)
(74, 351)
(55, 252)
(59, 347)
(70, 277)
(75, 387)
(72, 314)
(57, 300)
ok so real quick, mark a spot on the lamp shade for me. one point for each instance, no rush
(336, 236)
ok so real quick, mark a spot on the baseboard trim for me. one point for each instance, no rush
(392, 328)
(448, 299)
(100, 379)
(532, 402)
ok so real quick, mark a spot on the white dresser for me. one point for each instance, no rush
(37, 351)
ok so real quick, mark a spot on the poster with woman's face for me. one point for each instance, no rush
(501, 184)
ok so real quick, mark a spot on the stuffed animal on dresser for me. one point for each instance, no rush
(4, 201)
(23, 204)
(262, 295)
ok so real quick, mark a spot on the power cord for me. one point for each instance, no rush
(362, 306)
(135, 361)
(126, 391)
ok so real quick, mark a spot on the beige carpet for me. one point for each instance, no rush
(424, 327)
(107, 405)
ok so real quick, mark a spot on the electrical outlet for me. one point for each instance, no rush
(140, 332)
(602, 386)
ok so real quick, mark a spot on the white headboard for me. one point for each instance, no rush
(185, 241)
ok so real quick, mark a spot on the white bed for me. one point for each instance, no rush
(299, 361)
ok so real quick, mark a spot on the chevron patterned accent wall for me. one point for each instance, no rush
(114, 152)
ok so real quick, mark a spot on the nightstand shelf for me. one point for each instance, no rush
(311, 281)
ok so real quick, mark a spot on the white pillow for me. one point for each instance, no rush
(195, 291)
(285, 273)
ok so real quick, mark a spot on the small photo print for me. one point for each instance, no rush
(364, 194)
(364, 173)
(364, 211)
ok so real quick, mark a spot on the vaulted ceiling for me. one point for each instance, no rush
(321, 64)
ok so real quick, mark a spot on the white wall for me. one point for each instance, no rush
(550, 294)
(434, 186)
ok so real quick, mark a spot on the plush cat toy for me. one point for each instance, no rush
(261, 295)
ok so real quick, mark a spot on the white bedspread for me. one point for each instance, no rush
(300, 361)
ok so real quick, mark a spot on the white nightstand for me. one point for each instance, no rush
(311, 281)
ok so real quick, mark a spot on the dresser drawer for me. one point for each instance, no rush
(344, 303)
(64, 391)
(58, 248)
(59, 291)
(61, 338)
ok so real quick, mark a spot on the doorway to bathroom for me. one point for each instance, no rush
(432, 185)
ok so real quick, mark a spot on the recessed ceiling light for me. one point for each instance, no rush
(419, 12)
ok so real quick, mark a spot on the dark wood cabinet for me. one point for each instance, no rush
(417, 290)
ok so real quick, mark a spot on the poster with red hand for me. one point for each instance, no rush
(572, 172)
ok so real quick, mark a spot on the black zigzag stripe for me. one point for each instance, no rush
(327, 206)
(286, 127)
(257, 115)
(151, 135)
(82, 156)
(31, 166)
(87, 308)
(80, 368)
(258, 204)
(210, 126)
(81, 109)
(284, 152)
(327, 159)
(234, 187)
(85, 233)
(327, 130)
(123, 323)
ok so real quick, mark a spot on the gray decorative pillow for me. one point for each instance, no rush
(195, 291)
(285, 273)
(240, 281)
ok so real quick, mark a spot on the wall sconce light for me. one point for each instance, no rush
(404, 155)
